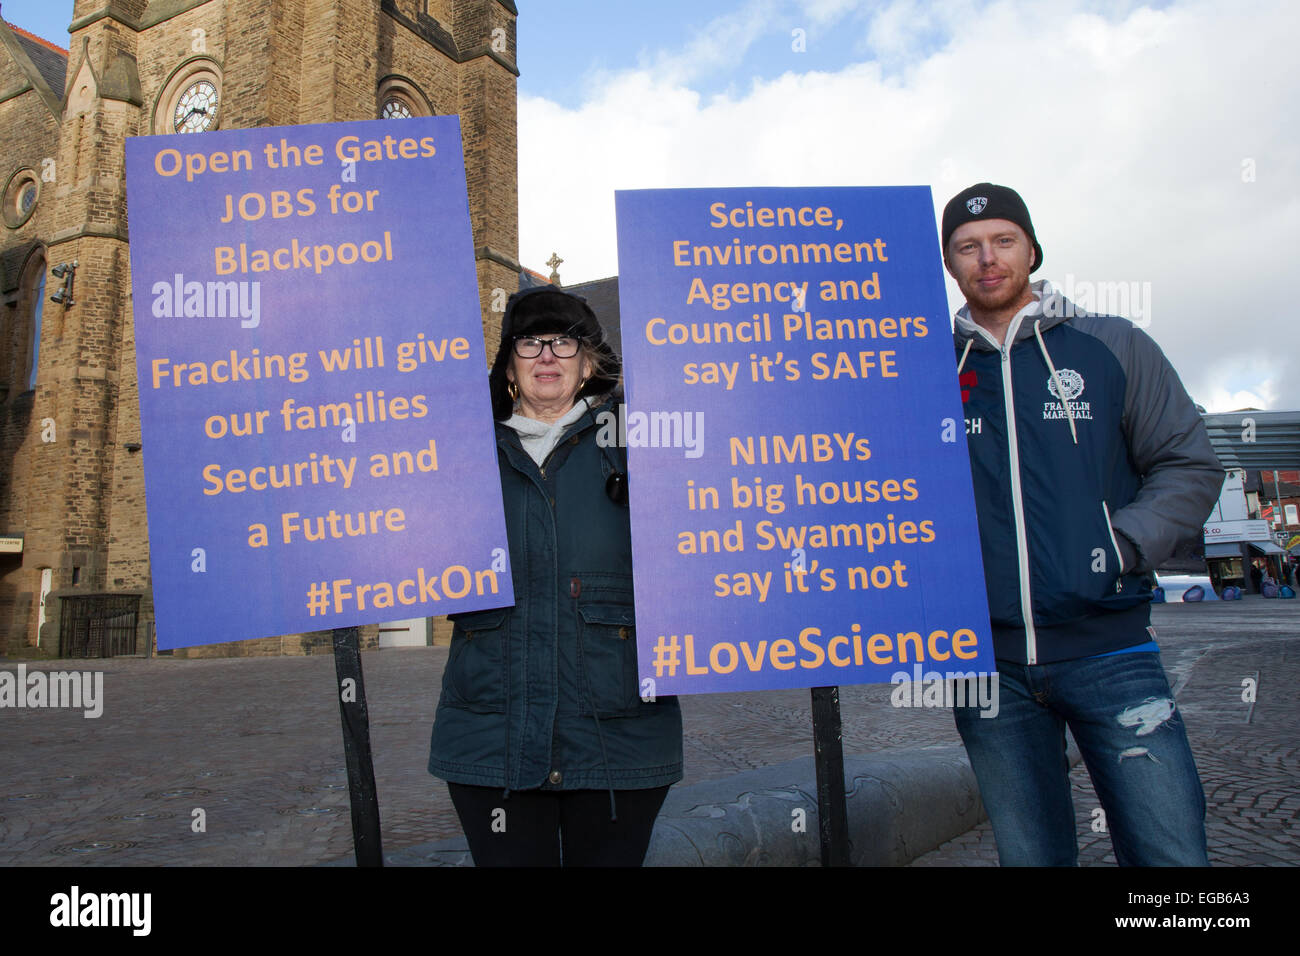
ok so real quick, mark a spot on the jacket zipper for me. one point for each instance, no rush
(547, 460)
(1017, 503)
(1114, 543)
(555, 609)
(567, 436)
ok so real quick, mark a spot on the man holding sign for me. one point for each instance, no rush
(1090, 464)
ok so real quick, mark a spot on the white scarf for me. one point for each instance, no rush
(539, 438)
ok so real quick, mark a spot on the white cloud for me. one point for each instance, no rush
(721, 43)
(828, 11)
(1221, 400)
(1128, 136)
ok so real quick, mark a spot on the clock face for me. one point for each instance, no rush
(196, 110)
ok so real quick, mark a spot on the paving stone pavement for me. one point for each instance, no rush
(1248, 757)
(256, 745)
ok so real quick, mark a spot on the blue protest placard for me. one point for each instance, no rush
(317, 436)
(801, 500)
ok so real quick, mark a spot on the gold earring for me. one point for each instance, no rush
(513, 390)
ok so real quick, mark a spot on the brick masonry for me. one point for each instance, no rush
(78, 499)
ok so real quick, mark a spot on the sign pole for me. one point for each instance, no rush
(356, 747)
(828, 748)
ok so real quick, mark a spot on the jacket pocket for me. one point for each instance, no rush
(475, 677)
(1077, 569)
(1114, 542)
(607, 660)
(1126, 587)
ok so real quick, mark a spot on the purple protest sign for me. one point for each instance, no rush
(802, 512)
(317, 436)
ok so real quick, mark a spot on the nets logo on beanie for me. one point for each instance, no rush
(976, 204)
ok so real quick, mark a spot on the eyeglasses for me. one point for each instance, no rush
(562, 346)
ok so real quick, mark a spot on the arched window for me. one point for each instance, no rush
(395, 108)
(399, 98)
(31, 304)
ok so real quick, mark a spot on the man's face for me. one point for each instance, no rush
(990, 259)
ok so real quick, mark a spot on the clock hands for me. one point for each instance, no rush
(193, 109)
(196, 108)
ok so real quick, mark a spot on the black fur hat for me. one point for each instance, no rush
(541, 310)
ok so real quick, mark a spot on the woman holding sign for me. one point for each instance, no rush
(550, 754)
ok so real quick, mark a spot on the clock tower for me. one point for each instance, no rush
(71, 479)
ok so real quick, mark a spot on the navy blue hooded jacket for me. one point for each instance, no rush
(1084, 448)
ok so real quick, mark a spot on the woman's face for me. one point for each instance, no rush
(548, 386)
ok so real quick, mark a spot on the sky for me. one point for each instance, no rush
(1155, 144)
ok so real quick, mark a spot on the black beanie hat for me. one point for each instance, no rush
(541, 310)
(987, 201)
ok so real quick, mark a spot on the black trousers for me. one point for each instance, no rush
(556, 827)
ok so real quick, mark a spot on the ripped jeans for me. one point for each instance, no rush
(1120, 710)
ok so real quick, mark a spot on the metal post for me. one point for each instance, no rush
(1279, 512)
(356, 747)
(828, 748)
